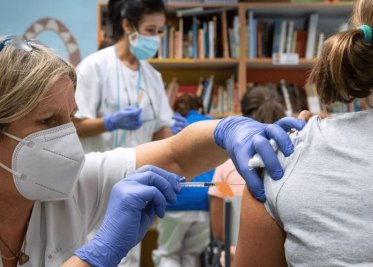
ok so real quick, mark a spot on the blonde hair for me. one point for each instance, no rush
(344, 70)
(25, 78)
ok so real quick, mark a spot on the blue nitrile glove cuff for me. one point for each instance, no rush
(109, 125)
(95, 253)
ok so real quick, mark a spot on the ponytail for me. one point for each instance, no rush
(344, 70)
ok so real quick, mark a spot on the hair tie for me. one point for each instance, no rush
(367, 30)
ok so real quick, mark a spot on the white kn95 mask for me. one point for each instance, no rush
(46, 165)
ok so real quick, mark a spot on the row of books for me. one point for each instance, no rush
(296, 98)
(267, 37)
(201, 39)
(217, 98)
(224, 98)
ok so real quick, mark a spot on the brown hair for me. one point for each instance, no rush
(262, 104)
(186, 103)
(344, 70)
(25, 78)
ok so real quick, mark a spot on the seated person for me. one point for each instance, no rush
(260, 104)
(320, 213)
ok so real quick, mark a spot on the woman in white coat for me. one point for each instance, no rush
(121, 98)
(51, 194)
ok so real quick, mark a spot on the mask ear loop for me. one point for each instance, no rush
(26, 142)
(19, 175)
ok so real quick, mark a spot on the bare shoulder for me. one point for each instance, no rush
(261, 240)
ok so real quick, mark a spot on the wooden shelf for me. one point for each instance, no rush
(266, 63)
(217, 63)
(207, 5)
(301, 9)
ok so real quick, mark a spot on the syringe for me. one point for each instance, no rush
(202, 184)
(197, 184)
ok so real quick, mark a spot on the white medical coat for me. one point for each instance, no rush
(57, 228)
(105, 85)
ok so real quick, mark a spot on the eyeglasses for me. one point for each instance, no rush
(17, 43)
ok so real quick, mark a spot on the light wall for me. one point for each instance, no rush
(79, 17)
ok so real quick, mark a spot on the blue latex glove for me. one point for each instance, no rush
(133, 203)
(180, 123)
(128, 118)
(243, 137)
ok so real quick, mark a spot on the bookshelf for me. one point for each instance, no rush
(243, 68)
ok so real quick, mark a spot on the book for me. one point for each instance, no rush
(181, 38)
(311, 37)
(165, 42)
(289, 37)
(177, 46)
(211, 36)
(171, 42)
(206, 97)
(195, 37)
(225, 41)
(276, 36)
(301, 43)
(201, 44)
(282, 47)
(320, 44)
(260, 39)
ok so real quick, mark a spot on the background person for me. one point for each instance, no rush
(183, 233)
(52, 194)
(320, 213)
(121, 98)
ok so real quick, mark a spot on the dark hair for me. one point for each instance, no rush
(187, 102)
(262, 104)
(344, 70)
(133, 11)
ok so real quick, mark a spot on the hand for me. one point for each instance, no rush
(180, 123)
(133, 203)
(128, 118)
(305, 115)
(242, 137)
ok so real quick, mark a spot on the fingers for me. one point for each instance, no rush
(282, 139)
(305, 115)
(166, 182)
(253, 181)
(153, 197)
(269, 157)
(172, 178)
(256, 186)
(290, 123)
(134, 117)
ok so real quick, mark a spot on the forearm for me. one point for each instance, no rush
(190, 152)
(75, 261)
(89, 127)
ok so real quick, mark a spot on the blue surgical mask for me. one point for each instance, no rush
(144, 47)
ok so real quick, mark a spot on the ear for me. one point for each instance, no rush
(127, 27)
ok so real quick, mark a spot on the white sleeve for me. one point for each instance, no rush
(88, 90)
(99, 174)
(164, 118)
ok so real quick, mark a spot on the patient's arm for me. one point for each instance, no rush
(261, 240)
